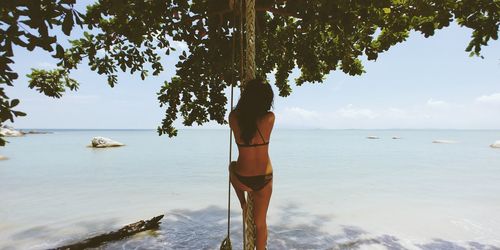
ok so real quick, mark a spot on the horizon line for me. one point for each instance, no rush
(281, 128)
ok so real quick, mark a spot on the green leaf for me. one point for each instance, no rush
(2, 142)
(18, 113)
(59, 51)
(67, 24)
(78, 19)
(14, 103)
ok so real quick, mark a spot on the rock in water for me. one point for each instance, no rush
(372, 137)
(444, 141)
(396, 137)
(103, 142)
(495, 144)
(3, 158)
(10, 132)
(33, 132)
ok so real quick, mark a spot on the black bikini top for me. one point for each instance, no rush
(255, 145)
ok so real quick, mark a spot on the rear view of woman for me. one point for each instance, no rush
(252, 123)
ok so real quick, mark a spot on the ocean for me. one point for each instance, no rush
(333, 189)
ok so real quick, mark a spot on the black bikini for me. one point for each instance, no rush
(255, 145)
(256, 182)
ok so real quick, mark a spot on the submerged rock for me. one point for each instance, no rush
(10, 132)
(34, 132)
(444, 141)
(103, 142)
(3, 158)
(495, 144)
(372, 137)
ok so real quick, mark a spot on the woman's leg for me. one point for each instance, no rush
(261, 203)
(241, 196)
(239, 188)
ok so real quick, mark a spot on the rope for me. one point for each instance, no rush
(250, 38)
(249, 230)
(246, 74)
(230, 129)
(242, 68)
(242, 62)
(226, 243)
(230, 157)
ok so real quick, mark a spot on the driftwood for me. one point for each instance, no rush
(125, 231)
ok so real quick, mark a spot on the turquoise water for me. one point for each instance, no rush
(332, 189)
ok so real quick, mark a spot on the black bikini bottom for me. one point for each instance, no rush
(256, 182)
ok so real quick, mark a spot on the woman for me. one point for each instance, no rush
(252, 123)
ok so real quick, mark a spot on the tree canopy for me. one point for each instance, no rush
(316, 36)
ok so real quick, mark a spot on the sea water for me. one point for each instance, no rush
(333, 189)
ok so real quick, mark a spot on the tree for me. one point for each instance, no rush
(316, 36)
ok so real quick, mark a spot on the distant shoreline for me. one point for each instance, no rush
(325, 129)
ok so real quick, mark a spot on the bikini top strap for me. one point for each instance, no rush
(262, 137)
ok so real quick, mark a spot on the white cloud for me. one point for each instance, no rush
(303, 113)
(437, 104)
(298, 117)
(356, 113)
(427, 114)
(344, 117)
(489, 99)
(397, 111)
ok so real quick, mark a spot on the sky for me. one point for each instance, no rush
(423, 83)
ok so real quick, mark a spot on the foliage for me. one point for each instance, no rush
(51, 82)
(317, 36)
(26, 24)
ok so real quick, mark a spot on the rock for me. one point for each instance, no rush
(3, 158)
(34, 132)
(396, 137)
(495, 144)
(372, 137)
(103, 142)
(10, 132)
(444, 141)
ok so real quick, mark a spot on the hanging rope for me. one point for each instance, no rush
(226, 244)
(242, 52)
(231, 130)
(250, 39)
(247, 72)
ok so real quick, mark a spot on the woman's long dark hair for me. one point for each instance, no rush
(255, 101)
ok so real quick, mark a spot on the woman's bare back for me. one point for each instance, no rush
(254, 160)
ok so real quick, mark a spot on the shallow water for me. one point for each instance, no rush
(332, 189)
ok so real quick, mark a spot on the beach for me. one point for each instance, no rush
(333, 189)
